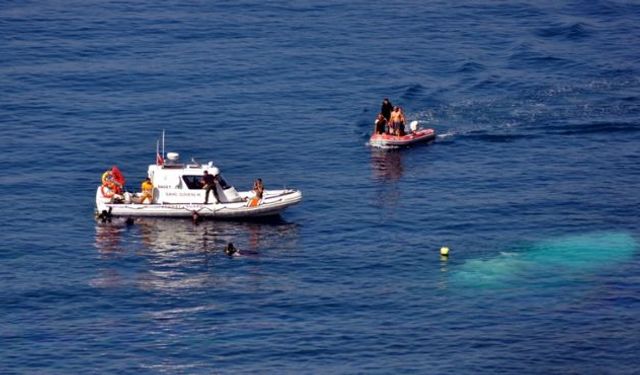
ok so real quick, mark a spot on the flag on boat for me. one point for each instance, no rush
(159, 158)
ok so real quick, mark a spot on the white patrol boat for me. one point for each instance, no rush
(177, 191)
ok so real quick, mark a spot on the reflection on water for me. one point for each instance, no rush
(109, 244)
(108, 237)
(178, 254)
(386, 164)
(442, 278)
(387, 168)
(166, 235)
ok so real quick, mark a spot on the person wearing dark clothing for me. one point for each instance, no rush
(386, 108)
(380, 124)
(209, 184)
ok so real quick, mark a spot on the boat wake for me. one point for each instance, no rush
(445, 136)
(382, 147)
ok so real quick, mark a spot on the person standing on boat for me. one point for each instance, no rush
(401, 131)
(397, 122)
(394, 121)
(386, 108)
(209, 184)
(380, 124)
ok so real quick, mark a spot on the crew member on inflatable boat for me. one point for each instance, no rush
(112, 183)
(380, 124)
(258, 191)
(147, 191)
(397, 121)
(109, 179)
(209, 184)
(386, 108)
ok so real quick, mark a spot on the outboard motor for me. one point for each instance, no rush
(414, 126)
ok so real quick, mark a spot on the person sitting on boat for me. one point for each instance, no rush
(146, 196)
(111, 186)
(386, 108)
(258, 191)
(380, 124)
(109, 178)
(209, 184)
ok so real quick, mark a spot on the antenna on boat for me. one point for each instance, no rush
(163, 155)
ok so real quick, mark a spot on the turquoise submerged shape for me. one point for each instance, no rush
(559, 257)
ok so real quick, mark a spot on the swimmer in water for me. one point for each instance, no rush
(230, 250)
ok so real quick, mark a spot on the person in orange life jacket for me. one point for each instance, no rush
(258, 191)
(109, 180)
(147, 191)
(258, 188)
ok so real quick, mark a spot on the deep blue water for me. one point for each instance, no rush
(532, 182)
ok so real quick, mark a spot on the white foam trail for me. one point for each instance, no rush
(445, 135)
(382, 147)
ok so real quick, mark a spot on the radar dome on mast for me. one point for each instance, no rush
(173, 156)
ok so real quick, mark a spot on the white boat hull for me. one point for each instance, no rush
(273, 203)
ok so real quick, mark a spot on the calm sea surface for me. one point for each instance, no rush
(533, 182)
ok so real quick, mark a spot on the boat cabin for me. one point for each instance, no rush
(175, 182)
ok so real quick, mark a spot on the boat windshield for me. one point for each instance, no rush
(223, 183)
(195, 182)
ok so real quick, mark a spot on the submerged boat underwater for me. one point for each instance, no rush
(416, 135)
(177, 192)
(548, 262)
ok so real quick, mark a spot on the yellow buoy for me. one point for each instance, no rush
(444, 251)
